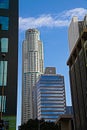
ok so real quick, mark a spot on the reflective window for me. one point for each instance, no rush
(4, 44)
(52, 104)
(52, 112)
(43, 117)
(51, 77)
(2, 103)
(52, 99)
(4, 4)
(3, 73)
(4, 23)
(55, 109)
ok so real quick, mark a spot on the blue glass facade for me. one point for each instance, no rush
(50, 97)
(4, 23)
(4, 4)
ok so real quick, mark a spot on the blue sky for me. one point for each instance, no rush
(51, 18)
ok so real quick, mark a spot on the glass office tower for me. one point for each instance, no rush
(32, 68)
(8, 61)
(50, 96)
(78, 71)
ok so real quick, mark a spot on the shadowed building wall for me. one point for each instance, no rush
(8, 60)
(78, 74)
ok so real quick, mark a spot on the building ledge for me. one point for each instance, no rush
(77, 45)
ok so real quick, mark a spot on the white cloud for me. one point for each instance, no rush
(79, 12)
(48, 20)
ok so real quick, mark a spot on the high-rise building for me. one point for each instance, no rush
(78, 71)
(8, 61)
(32, 68)
(49, 96)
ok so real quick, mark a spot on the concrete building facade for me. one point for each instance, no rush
(65, 122)
(78, 76)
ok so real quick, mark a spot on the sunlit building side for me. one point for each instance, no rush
(32, 67)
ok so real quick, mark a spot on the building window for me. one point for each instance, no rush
(4, 23)
(3, 73)
(4, 4)
(4, 44)
(85, 48)
(2, 104)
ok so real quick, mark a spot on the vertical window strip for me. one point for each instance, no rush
(4, 44)
(3, 73)
(2, 103)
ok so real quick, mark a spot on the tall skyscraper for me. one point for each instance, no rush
(32, 68)
(49, 96)
(78, 71)
(8, 61)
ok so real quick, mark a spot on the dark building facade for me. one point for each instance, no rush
(65, 122)
(8, 61)
(78, 77)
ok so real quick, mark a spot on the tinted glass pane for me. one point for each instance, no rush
(4, 23)
(51, 77)
(4, 4)
(3, 102)
(3, 73)
(4, 44)
(50, 117)
(54, 112)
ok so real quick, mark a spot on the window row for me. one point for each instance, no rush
(53, 94)
(51, 112)
(49, 116)
(55, 109)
